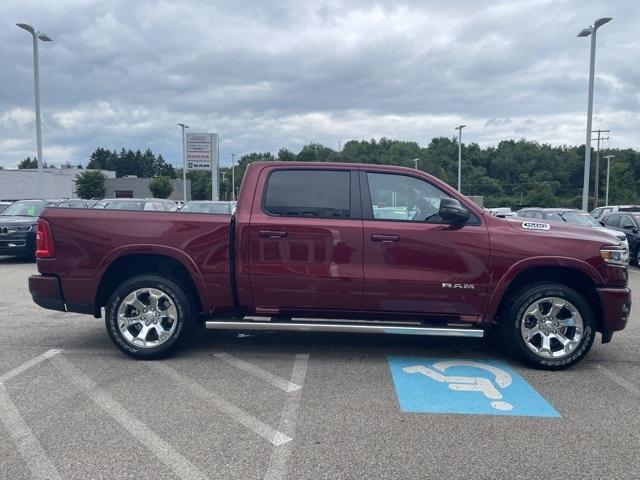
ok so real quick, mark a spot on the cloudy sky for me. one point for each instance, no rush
(271, 74)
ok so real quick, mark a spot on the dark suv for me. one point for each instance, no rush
(629, 223)
(18, 227)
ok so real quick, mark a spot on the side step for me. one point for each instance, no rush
(345, 327)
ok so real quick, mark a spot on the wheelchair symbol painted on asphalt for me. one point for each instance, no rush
(465, 386)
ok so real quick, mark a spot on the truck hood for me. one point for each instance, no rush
(564, 230)
(610, 231)
(8, 220)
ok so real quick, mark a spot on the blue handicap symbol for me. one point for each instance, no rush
(477, 387)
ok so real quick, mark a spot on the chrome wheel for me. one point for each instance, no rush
(552, 327)
(147, 317)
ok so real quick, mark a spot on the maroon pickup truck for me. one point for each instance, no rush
(336, 248)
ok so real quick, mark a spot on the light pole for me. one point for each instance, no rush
(415, 163)
(233, 177)
(459, 128)
(591, 30)
(184, 164)
(608, 157)
(37, 35)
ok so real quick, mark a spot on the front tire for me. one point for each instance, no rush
(147, 316)
(549, 326)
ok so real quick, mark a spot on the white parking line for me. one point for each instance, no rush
(27, 365)
(26, 442)
(628, 386)
(280, 456)
(258, 372)
(239, 415)
(164, 452)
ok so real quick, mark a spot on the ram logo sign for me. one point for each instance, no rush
(465, 286)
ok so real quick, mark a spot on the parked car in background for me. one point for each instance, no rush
(141, 204)
(4, 205)
(72, 203)
(572, 216)
(502, 212)
(628, 224)
(597, 213)
(209, 206)
(18, 227)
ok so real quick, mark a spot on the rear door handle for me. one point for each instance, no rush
(385, 238)
(273, 233)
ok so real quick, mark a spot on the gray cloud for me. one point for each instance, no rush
(272, 74)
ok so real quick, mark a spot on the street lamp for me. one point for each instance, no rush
(36, 81)
(608, 157)
(415, 163)
(233, 177)
(591, 30)
(184, 164)
(459, 128)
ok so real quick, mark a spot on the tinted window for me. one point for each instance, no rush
(309, 193)
(554, 217)
(400, 197)
(611, 220)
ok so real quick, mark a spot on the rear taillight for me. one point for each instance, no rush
(44, 240)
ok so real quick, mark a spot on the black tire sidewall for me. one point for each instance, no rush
(169, 287)
(514, 316)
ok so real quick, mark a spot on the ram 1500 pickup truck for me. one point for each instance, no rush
(339, 248)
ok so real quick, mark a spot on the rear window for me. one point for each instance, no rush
(309, 193)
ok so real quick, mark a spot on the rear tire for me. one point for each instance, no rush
(148, 316)
(549, 326)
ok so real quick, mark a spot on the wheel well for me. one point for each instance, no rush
(129, 266)
(566, 276)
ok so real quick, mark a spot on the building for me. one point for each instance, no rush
(20, 184)
(57, 183)
(133, 187)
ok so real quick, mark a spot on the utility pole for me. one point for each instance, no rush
(415, 163)
(233, 177)
(597, 176)
(459, 128)
(608, 157)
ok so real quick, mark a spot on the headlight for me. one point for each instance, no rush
(615, 256)
(22, 228)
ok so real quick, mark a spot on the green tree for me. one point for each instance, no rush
(161, 187)
(90, 184)
(28, 163)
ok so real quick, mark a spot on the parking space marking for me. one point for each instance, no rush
(258, 372)
(164, 452)
(628, 386)
(28, 446)
(27, 365)
(249, 421)
(487, 387)
(280, 456)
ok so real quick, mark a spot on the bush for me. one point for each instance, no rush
(161, 187)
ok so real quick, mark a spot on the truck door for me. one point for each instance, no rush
(413, 262)
(305, 246)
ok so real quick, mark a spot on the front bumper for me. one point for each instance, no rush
(17, 244)
(616, 307)
(46, 291)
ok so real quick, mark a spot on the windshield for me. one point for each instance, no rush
(120, 204)
(24, 209)
(196, 207)
(582, 219)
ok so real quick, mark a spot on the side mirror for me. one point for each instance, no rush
(629, 227)
(452, 212)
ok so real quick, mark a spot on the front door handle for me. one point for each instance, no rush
(273, 233)
(385, 238)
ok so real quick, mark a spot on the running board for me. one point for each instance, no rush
(345, 327)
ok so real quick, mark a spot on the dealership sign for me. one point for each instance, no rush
(202, 151)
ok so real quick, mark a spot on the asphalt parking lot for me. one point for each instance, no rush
(299, 406)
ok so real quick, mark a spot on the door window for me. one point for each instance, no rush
(611, 220)
(401, 197)
(309, 193)
(627, 222)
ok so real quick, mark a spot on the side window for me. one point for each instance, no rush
(401, 197)
(610, 220)
(309, 193)
(627, 221)
(524, 214)
(554, 217)
(148, 206)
